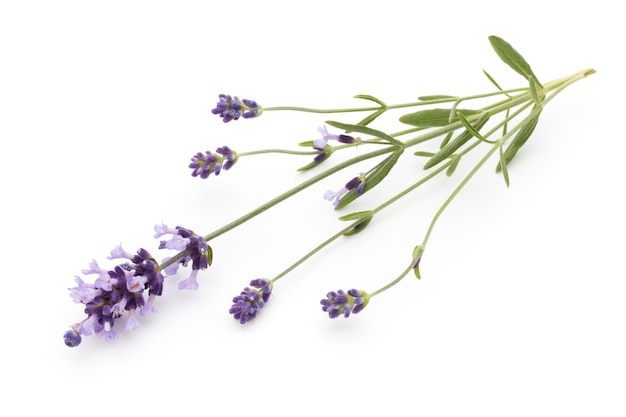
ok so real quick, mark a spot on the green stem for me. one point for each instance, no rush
(395, 281)
(394, 106)
(296, 190)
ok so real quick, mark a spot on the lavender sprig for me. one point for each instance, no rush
(117, 295)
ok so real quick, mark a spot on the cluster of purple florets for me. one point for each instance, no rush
(232, 108)
(120, 293)
(247, 304)
(205, 164)
(115, 294)
(342, 303)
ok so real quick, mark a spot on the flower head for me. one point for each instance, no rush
(117, 297)
(321, 142)
(251, 300)
(205, 164)
(342, 303)
(232, 108)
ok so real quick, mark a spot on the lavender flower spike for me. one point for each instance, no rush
(342, 303)
(251, 300)
(232, 108)
(115, 298)
(205, 164)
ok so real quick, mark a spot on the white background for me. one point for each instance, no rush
(521, 309)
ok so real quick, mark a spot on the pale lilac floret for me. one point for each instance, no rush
(135, 283)
(119, 253)
(357, 184)
(171, 269)
(190, 283)
(149, 308)
(109, 334)
(84, 292)
(335, 196)
(177, 242)
(132, 323)
(163, 229)
(321, 142)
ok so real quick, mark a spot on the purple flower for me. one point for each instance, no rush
(116, 297)
(72, 338)
(342, 303)
(251, 300)
(197, 253)
(208, 163)
(321, 142)
(357, 184)
(232, 108)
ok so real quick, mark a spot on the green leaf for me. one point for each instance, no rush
(366, 130)
(505, 171)
(434, 117)
(471, 129)
(455, 163)
(493, 81)
(519, 140)
(372, 179)
(417, 255)
(512, 58)
(359, 227)
(455, 144)
(437, 97)
(209, 252)
(356, 215)
(423, 153)
(445, 140)
(371, 98)
(369, 119)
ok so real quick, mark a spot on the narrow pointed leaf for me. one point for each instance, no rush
(437, 97)
(453, 166)
(371, 98)
(356, 215)
(445, 140)
(423, 153)
(512, 58)
(505, 171)
(471, 129)
(369, 119)
(359, 227)
(493, 81)
(455, 144)
(433, 117)
(519, 140)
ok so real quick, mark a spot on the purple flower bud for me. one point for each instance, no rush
(72, 338)
(342, 303)
(232, 108)
(209, 163)
(247, 304)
